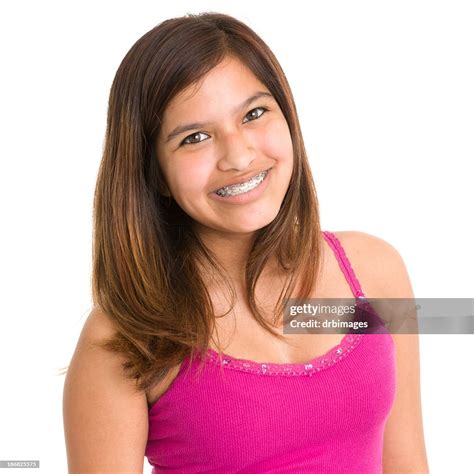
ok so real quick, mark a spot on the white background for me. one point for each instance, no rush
(385, 96)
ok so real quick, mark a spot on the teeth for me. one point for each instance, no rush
(242, 188)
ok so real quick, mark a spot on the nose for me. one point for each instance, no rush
(237, 152)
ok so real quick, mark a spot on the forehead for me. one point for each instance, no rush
(228, 83)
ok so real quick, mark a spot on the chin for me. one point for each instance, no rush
(251, 225)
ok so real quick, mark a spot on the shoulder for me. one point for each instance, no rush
(383, 274)
(98, 326)
(99, 402)
(90, 359)
(363, 242)
(378, 265)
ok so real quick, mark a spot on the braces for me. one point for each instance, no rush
(241, 188)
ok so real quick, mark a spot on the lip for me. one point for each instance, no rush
(247, 197)
(242, 179)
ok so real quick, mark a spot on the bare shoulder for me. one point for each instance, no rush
(383, 274)
(103, 412)
(377, 264)
(364, 245)
(98, 326)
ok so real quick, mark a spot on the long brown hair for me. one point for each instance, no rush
(145, 250)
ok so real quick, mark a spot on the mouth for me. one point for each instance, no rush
(242, 187)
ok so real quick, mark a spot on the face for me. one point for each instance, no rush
(225, 130)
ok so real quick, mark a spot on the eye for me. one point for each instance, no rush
(196, 134)
(254, 114)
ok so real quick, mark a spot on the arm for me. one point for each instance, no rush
(404, 449)
(105, 417)
(404, 446)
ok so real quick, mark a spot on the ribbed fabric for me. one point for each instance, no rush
(325, 416)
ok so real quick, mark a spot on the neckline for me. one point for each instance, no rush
(349, 342)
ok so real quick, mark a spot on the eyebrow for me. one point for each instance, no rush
(191, 126)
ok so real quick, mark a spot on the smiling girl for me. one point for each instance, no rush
(206, 221)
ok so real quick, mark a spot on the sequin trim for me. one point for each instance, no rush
(334, 355)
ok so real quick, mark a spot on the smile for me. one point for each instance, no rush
(252, 183)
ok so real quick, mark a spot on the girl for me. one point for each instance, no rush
(205, 222)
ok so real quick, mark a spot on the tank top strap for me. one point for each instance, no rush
(344, 263)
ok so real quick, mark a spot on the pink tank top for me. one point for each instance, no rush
(325, 416)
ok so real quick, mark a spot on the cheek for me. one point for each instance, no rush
(187, 178)
(276, 140)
